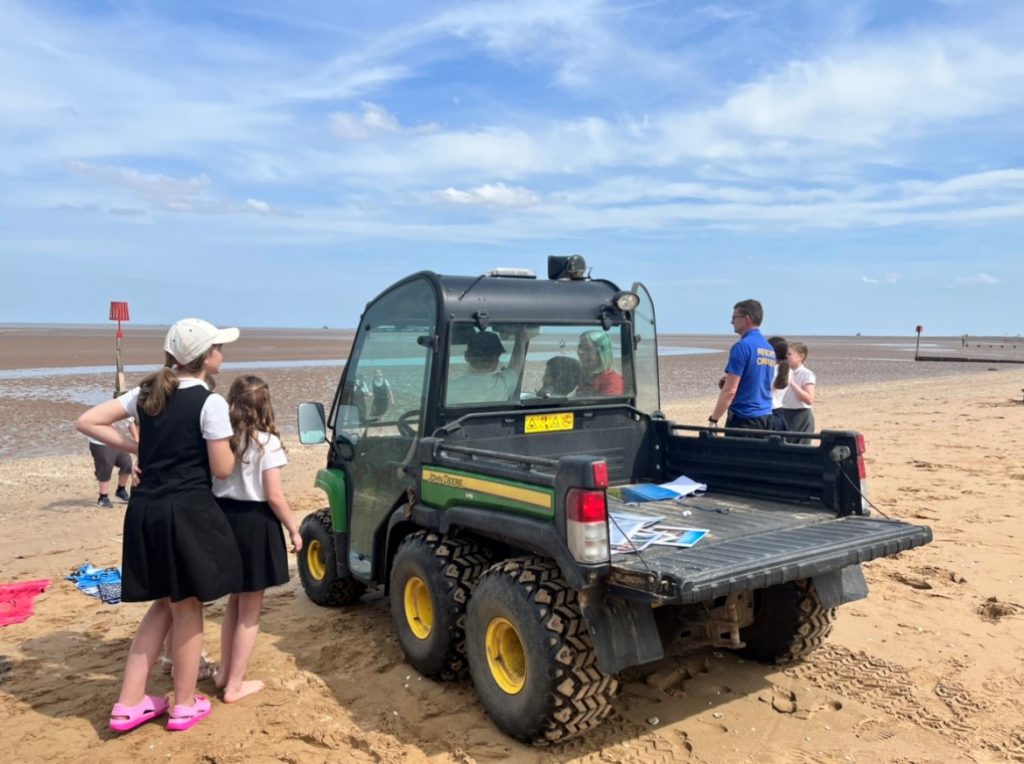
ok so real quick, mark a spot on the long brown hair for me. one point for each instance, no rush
(781, 347)
(156, 389)
(251, 412)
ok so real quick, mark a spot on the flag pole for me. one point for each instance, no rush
(119, 313)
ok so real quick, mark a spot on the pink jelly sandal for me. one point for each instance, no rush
(124, 718)
(186, 717)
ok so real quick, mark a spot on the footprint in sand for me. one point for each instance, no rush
(875, 730)
(782, 700)
(912, 581)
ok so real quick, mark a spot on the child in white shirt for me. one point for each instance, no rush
(799, 396)
(256, 508)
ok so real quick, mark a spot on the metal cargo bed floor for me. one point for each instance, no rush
(752, 543)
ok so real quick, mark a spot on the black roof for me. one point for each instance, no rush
(510, 299)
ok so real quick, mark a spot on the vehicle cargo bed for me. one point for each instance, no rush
(752, 543)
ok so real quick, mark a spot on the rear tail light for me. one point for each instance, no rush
(586, 525)
(862, 473)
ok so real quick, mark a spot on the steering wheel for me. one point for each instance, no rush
(408, 423)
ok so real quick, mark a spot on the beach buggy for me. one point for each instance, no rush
(504, 513)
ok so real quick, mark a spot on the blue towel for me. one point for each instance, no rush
(95, 582)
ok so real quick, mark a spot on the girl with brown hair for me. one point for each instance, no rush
(255, 506)
(781, 381)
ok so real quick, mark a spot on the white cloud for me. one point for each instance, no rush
(372, 122)
(862, 95)
(576, 39)
(492, 195)
(978, 279)
(259, 206)
(360, 127)
(146, 184)
(868, 280)
(891, 278)
(167, 193)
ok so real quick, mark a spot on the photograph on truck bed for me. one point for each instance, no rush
(477, 480)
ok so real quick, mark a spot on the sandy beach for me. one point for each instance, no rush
(929, 668)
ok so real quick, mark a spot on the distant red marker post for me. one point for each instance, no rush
(918, 345)
(119, 313)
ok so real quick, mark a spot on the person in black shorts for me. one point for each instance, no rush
(178, 550)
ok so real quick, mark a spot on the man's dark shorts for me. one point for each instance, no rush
(105, 458)
(753, 423)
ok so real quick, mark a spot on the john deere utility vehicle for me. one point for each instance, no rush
(484, 492)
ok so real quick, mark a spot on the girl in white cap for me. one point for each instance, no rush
(178, 550)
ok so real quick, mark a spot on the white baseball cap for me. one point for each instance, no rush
(189, 338)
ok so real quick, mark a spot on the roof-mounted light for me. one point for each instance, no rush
(571, 267)
(625, 301)
(512, 273)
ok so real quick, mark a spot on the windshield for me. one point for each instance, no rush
(536, 363)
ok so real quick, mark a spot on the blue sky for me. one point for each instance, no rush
(856, 166)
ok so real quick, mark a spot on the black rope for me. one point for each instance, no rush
(863, 495)
(638, 553)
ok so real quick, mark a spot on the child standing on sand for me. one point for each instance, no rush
(799, 396)
(254, 503)
(105, 458)
(781, 382)
(177, 550)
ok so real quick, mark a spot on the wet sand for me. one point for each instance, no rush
(39, 408)
(929, 668)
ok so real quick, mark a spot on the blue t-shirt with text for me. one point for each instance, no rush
(753, 360)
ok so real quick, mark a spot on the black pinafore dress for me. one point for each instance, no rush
(177, 542)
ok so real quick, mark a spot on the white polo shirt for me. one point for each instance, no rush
(246, 480)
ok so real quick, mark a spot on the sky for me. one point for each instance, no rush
(856, 166)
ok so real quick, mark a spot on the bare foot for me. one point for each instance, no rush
(248, 687)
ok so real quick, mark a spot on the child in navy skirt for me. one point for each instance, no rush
(256, 508)
(178, 549)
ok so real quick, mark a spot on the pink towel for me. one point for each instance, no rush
(16, 600)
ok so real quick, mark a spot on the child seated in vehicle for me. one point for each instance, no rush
(561, 376)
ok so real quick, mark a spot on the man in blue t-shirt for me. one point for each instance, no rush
(747, 385)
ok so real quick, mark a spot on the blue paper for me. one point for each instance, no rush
(647, 492)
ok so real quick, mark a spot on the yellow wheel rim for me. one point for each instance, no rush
(505, 656)
(419, 612)
(315, 560)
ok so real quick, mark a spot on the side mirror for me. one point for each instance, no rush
(312, 424)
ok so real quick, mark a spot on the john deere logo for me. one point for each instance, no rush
(445, 479)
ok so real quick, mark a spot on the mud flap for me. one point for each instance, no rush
(837, 587)
(623, 631)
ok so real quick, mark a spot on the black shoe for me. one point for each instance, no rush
(122, 495)
(103, 501)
